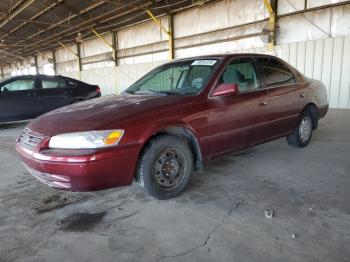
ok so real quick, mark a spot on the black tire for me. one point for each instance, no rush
(165, 167)
(302, 133)
(315, 117)
(78, 101)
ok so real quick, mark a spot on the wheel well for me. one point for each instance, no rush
(186, 135)
(312, 108)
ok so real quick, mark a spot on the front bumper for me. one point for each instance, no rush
(98, 171)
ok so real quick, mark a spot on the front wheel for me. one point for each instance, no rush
(165, 167)
(302, 133)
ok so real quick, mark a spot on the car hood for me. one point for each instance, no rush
(99, 113)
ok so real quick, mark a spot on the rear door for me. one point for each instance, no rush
(19, 99)
(284, 95)
(54, 93)
(240, 120)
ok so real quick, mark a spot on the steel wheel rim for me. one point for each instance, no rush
(305, 129)
(169, 168)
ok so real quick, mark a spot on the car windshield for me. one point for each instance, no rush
(180, 78)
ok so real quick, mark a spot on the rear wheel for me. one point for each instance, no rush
(77, 101)
(302, 133)
(165, 167)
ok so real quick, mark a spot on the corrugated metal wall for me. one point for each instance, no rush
(327, 60)
(114, 80)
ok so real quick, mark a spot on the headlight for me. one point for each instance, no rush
(87, 140)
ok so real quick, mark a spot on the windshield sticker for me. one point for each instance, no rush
(204, 62)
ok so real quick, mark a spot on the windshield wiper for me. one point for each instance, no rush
(171, 92)
(149, 92)
(160, 92)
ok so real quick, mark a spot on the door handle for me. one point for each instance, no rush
(262, 103)
(302, 95)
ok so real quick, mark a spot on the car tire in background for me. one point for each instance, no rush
(165, 167)
(77, 101)
(302, 133)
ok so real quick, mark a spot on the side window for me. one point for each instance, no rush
(52, 83)
(243, 73)
(18, 85)
(275, 72)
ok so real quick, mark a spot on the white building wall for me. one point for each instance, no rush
(224, 14)
(44, 60)
(330, 22)
(114, 80)
(96, 46)
(142, 34)
(324, 59)
(143, 43)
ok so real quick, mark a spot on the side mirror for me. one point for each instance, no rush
(225, 90)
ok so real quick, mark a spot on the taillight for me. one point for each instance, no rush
(98, 89)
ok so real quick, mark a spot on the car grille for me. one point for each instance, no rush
(29, 139)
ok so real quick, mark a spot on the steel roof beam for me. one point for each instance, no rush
(32, 18)
(89, 8)
(86, 25)
(17, 11)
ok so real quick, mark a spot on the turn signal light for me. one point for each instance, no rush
(113, 137)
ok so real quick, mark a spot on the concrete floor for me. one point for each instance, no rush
(220, 217)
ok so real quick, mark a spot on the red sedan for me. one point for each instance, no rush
(170, 121)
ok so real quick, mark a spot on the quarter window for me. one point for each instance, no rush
(241, 72)
(275, 72)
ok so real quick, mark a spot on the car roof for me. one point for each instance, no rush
(15, 77)
(223, 56)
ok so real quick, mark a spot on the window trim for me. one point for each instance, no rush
(222, 71)
(276, 85)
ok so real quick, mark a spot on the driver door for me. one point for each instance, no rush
(240, 120)
(19, 99)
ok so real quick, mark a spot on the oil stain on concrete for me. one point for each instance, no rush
(80, 222)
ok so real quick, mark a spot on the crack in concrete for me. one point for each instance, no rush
(235, 205)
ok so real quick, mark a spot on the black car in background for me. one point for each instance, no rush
(26, 97)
